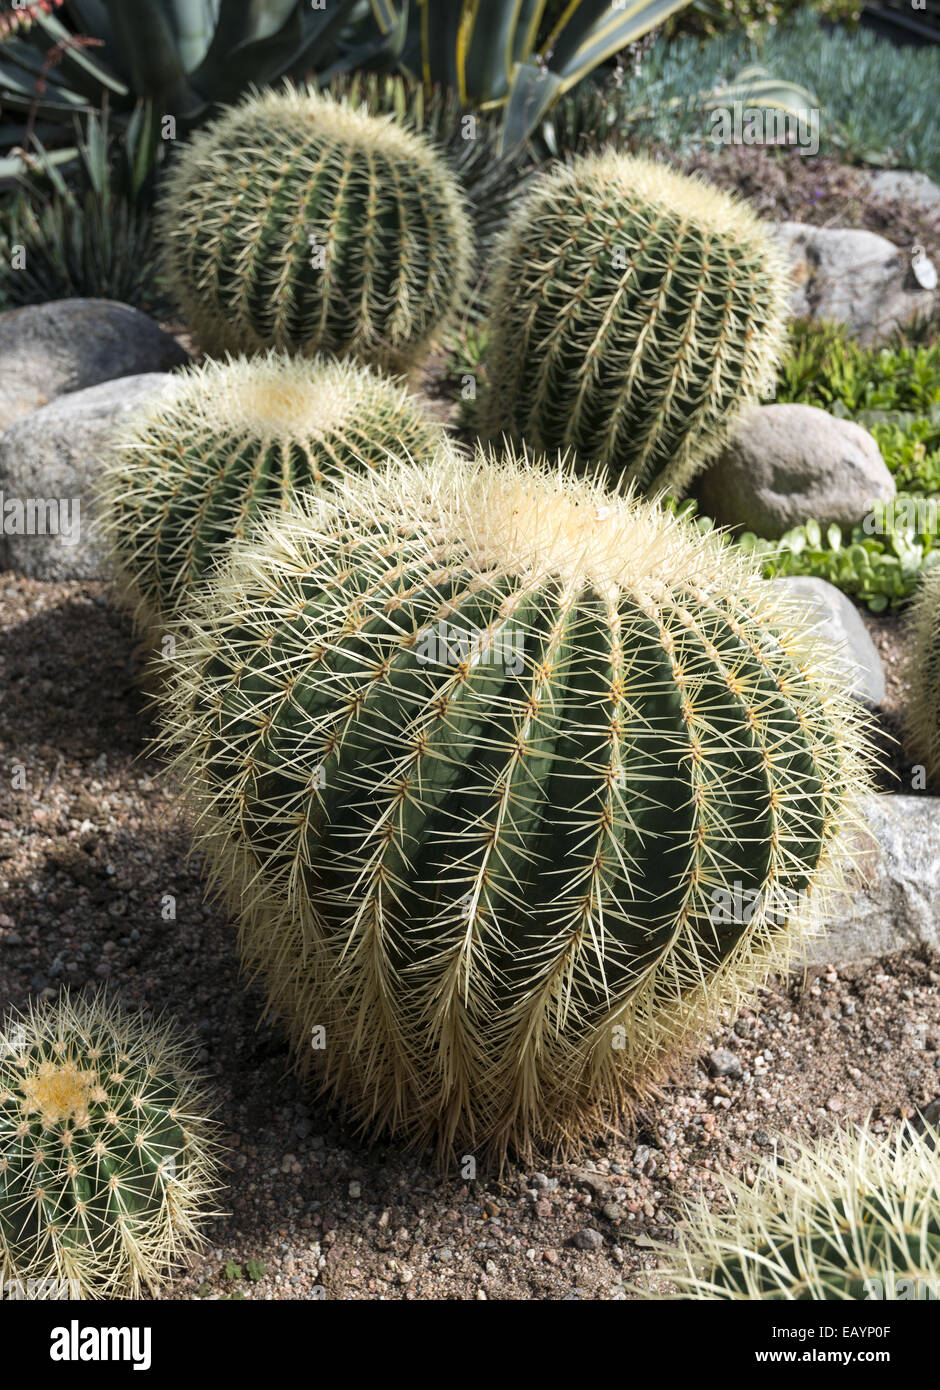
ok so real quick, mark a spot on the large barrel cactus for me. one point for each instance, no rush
(510, 785)
(852, 1218)
(634, 313)
(192, 471)
(106, 1153)
(923, 673)
(297, 222)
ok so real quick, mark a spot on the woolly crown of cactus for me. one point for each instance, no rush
(482, 759)
(106, 1152)
(853, 1217)
(923, 673)
(634, 314)
(193, 470)
(297, 222)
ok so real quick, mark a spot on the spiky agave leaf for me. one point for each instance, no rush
(107, 1158)
(852, 1218)
(923, 673)
(298, 222)
(192, 471)
(479, 757)
(634, 314)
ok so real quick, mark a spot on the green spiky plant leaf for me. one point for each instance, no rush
(192, 471)
(923, 673)
(851, 1218)
(634, 314)
(297, 222)
(106, 1152)
(475, 751)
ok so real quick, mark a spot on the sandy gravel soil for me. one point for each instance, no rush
(91, 844)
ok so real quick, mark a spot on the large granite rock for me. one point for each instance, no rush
(47, 350)
(787, 463)
(49, 463)
(894, 904)
(853, 277)
(834, 617)
(906, 184)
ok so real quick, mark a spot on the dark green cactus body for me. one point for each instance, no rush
(298, 223)
(102, 1158)
(634, 313)
(475, 851)
(192, 473)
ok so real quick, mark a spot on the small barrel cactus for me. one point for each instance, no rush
(106, 1154)
(295, 221)
(852, 1218)
(193, 470)
(923, 673)
(510, 785)
(634, 313)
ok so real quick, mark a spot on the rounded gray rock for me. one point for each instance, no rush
(834, 617)
(49, 463)
(787, 463)
(853, 277)
(66, 345)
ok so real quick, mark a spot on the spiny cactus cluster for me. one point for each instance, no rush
(296, 222)
(480, 757)
(852, 1218)
(106, 1156)
(634, 313)
(193, 470)
(923, 673)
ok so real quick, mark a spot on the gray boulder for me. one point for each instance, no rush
(838, 622)
(47, 350)
(786, 463)
(894, 902)
(49, 462)
(906, 184)
(853, 277)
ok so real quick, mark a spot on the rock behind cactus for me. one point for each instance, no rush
(511, 786)
(193, 472)
(106, 1159)
(853, 1218)
(297, 222)
(634, 313)
(923, 674)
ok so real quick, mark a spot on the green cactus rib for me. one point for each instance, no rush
(106, 1154)
(634, 314)
(297, 222)
(851, 1218)
(923, 673)
(486, 858)
(193, 471)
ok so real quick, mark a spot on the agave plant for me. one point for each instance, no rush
(91, 236)
(502, 53)
(61, 57)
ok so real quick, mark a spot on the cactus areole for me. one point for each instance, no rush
(482, 756)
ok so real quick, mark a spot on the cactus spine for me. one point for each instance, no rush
(853, 1218)
(474, 752)
(296, 222)
(634, 313)
(923, 673)
(193, 471)
(106, 1159)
